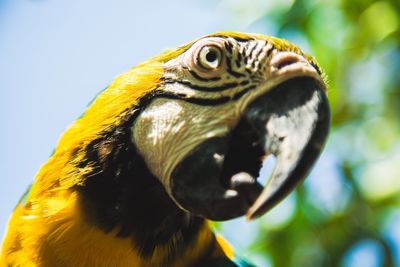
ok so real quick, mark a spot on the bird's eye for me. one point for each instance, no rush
(210, 57)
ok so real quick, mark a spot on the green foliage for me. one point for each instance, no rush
(352, 198)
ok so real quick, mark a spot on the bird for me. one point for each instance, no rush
(169, 146)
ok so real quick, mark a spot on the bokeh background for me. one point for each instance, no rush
(56, 55)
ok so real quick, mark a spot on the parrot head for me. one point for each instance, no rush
(224, 103)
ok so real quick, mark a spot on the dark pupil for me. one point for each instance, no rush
(211, 56)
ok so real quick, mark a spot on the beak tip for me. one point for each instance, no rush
(257, 209)
(254, 213)
(250, 216)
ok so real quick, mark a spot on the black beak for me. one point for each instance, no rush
(293, 121)
(218, 180)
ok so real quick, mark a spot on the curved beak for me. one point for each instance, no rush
(218, 179)
(292, 121)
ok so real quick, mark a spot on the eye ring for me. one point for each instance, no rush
(209, 57)
(206, 58)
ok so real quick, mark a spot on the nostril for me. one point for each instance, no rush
(286, 62)
(284, 59)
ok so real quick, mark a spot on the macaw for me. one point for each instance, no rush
(169, 145)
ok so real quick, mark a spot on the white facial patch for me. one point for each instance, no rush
(167, 130)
